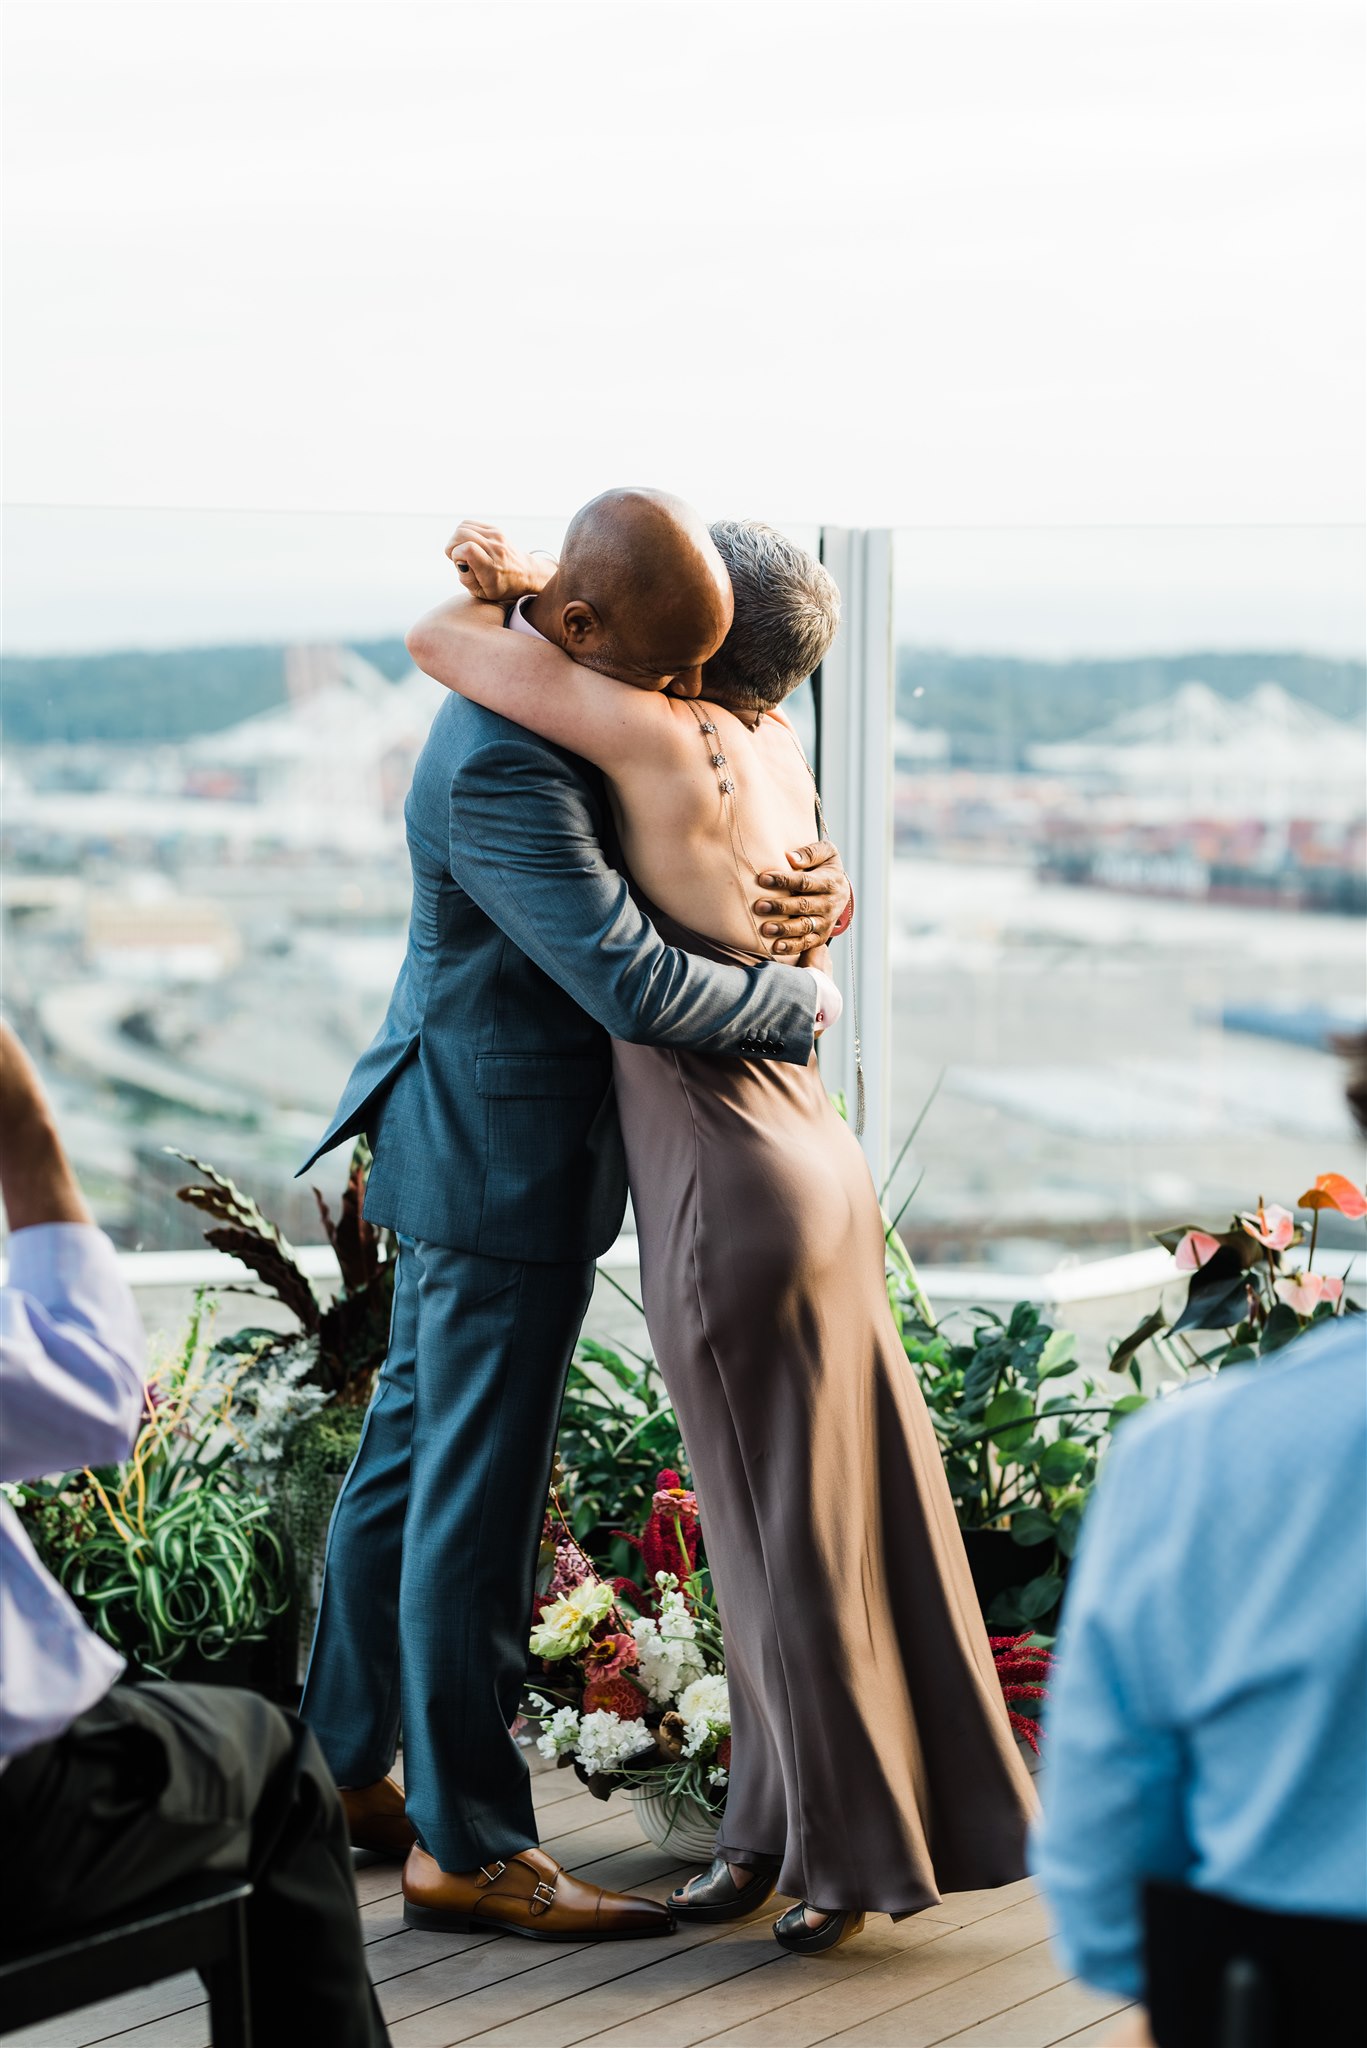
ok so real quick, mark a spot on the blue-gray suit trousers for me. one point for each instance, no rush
(457, 1449)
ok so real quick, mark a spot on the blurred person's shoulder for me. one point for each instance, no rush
(1318, 1385)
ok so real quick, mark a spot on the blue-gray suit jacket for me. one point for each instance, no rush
(487, 1092)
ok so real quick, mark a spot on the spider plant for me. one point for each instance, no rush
(176, 1553)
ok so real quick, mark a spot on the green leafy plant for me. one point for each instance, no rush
(173, 1551)
(316, 1459)
(618, 1429)
(1020, 1457)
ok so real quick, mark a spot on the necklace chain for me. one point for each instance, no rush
(726, 784)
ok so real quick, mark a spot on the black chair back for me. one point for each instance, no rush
(1222, 1975)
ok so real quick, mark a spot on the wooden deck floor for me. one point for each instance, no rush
(976, 1969)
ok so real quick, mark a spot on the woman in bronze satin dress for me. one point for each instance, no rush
(872, 1763)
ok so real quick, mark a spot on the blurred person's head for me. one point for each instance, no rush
(1353, 1050)
(787, 609)
(640, 592)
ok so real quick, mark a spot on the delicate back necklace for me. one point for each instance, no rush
(726, 785)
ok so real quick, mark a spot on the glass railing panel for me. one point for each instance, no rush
(1128, 879)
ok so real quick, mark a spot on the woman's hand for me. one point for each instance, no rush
(491, 568)
(808, 906)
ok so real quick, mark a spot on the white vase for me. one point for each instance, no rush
(682, 1824)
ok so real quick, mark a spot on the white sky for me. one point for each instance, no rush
(965, 263)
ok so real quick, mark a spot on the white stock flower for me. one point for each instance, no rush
(605, 1742)
(668, 1652)
(559, 1733)
(705, 1710)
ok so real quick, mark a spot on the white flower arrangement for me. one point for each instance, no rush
(605, 1743)
(667, 1646)
(672, 1708)
(705, 1711)
(559, 1729)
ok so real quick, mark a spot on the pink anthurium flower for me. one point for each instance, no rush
(1196, 1247)
(1335, 1191)
(1271, 1225)
(1305, 1291)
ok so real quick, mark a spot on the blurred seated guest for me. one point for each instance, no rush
(1207, 1724)
(122, 1789)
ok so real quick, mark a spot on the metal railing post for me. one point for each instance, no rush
(854, 696)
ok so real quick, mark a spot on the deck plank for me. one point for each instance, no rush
(1053, 2016)
(526, 2007)
(934, 2016)
(975, 1968)
(863, 1996)
(776, 1980)
(1101, 2033)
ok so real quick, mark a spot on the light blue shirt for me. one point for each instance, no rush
(1208, 1722)
(71, 1393)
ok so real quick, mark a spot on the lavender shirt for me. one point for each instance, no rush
(72, 1362)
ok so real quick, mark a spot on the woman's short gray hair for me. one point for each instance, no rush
(787, 612)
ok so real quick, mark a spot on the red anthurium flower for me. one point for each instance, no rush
(1334, 1191)
(1271, 1225)
(1305, 1291)
(1196, 1247)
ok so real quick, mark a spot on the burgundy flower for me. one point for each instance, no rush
(673, 1515)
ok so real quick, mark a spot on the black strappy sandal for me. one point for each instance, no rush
(716, 1895)
(793, 1932)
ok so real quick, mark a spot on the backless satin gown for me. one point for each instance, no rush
(871, 1750)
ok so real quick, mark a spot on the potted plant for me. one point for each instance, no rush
(1020, 1457)
(172, 1556)
(633, 1693)
(1251, 1282)
(335, 1349)
(344, 1339)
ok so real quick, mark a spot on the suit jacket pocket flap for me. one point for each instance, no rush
(541, 1073)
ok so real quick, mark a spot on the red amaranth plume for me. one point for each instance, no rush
(1021, 1671)
(673, 1513)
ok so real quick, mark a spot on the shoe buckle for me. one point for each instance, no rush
(542, 1897)
(490, 1873)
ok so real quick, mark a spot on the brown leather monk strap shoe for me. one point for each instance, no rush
(376, 1820)
(527, 1894)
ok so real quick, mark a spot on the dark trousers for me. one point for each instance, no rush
(431, 1556)
(158, 1781)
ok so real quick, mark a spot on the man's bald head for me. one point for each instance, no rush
(641, 592)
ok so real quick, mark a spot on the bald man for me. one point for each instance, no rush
(487, 1099)
(640, 591)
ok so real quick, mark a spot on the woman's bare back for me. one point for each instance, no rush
(697, 848)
